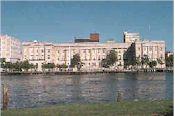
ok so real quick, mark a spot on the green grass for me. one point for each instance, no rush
(125, 108)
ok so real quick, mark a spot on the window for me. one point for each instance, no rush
(58, 51)
(74, 51)
(119, 57)
(103, 50)
(98, 50)
(58, 59)
(150, 48)
(89, 51)
(48, 50)
(155, 48)
(139, 48)
(160, 48)
(48, 57)
(42, 50)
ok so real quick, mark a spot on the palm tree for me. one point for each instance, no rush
(160, 62)
(145, 60)
(152, 64)
(138, 62)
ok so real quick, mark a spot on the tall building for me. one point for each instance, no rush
(131, 37)
(10, 48)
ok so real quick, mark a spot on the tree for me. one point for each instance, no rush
(104, 63)
(145, 60)
(8, 66)
(17, 66)
(152, 64)
(51, 65)
(129, 62)
(2, 61)
(160, 62)
(137, 61)
(110, 59)
(26, 65)
(169, 61)
(48, 66)
(32, 66)
(62, 66)
(43, 66)
(75, 60)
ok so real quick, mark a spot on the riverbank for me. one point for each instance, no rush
(82, 72)
(131, 108)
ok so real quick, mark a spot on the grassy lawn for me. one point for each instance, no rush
(125, 108)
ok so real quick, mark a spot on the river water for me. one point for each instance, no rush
(45, 90)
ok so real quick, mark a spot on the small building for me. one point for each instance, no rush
(131, 37)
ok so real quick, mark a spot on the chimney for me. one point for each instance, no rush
(94, 37)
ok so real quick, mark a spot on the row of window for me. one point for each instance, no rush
(151, 48)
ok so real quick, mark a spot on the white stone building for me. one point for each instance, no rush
(10, 48)
(153, 49)
(91, 53)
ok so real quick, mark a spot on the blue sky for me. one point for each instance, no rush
(62, 21)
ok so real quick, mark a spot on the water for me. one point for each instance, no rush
(44, 90)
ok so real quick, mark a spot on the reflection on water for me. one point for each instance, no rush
(40, 90)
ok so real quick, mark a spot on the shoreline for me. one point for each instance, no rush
(80, 72)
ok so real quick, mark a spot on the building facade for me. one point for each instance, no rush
(91, 53)
(10, 48)
(131, 37)
(153, 49)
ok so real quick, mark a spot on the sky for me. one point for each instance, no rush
(59, 22)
